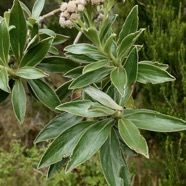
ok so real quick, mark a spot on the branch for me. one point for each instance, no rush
(42, 18)
(77, 37)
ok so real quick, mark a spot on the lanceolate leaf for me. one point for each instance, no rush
(36, 54)
(119, 79)
(64, 144)
(4, 42)
(56, 126)
(154, 121)
(4, 81)
(74, 73)
(31, 73)
(160, 65)
(102, 97)
(130, 25)
(44, 93)
(37, 8)
(90, 77)
(111, 161)
(89, 143)
(132, 137)
(19, 100)
(18, 35)
(148, 73)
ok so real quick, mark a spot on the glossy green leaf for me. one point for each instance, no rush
(55, 168)
(19, 100)
(4, 42)
(130, 25)
(30, 73)
(44, 93)
(89, 143)
(37, 8)
(18, 35)
(154, 121)
(127, 43)
(111, 161)
(94, 66)
(56, 126)
(148, 73)
(90, 77)
(84, 108)
(119, 79)
(74, 73)
(132, 137)
(36, 54)
(102, 98)
(64, 144)
(4, 81)
(57, 64)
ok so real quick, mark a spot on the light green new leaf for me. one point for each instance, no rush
(56, 126)
(89, 143)
(148, 73)
(18, 35)
(111, 163)
(119, 79)
(44, 93)
(4, 81)
(132, 137)
(154, 121)
(37, 8)
(90, 77)
(64, 144)
(19, 100)
(4, 42)
(36, 54)
(30, 73)
(102, 98)
(130, 25)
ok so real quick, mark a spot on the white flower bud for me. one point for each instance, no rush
(69, 24)
(83, 2)
(65, 14)
(74, 16)
(81, 7)
(63, 7)
(72, 6)
(62, 21)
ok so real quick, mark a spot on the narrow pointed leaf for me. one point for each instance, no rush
(108, 44)
(89, 143)
(19, 100)
(56, 126)
(119, 79)
(74, 73)
(44, 93)
(154, 121)
(25, 8)
(36, 54)
(132, 137)
(4, 81)
(18, 35)
(160, 65)
(64, 144)
(37, 8)
(102, 98)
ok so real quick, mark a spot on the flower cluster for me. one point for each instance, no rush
(70, 12)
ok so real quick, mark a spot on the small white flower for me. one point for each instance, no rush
(83, 2)
(81, 7)
(96, 2)
(63, 7)
(72, 6)
(74, 16)
(62, 21)
(65, 14)
(69, 24)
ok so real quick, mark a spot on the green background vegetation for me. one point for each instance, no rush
(164, 41)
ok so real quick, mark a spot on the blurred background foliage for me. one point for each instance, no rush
(164, 41)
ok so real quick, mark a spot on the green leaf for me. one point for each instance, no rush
(4, 43)
(53, 50)
(154, 121)
(55, 168)
(130, 25)
(19, 100)
(94, 66)
(89, 143)
(90, 77)
(74, 73)
(132, 137)
(36, 54)
(127, 43)
(60, 39)
(37, 8)
(47, 32)
(64, 144)
(111, 161)
(56, 126)
(30, 73)
(18, 35)
(4, 81)
(25, 8)
(57, 64)
(160, 65)
(44, 93)
(108, 44)
(148, 73)
(119, 78)
(102, 98)
(84, 108)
